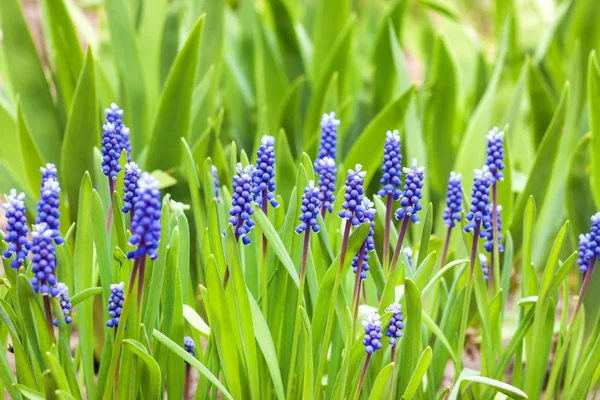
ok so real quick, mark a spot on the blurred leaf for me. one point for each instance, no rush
(381, 386)
(173, 116)
(593, 94)
(411, 348)
(330, 21)
(541, 101)
(580, 201)
(151, 27)
(153, 383)
(192, 317)
(418, 373)
(511, 391)
(165, 180)
(28, 80)
(81, 134)
(30, 153)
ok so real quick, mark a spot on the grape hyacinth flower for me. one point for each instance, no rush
(189, 345)
(65, 302)
(115, 304)
(489, 244)
(16, 229)
(327, 170)
(394, 331)
(145, 226)
(582, 261)
(43, 260)
(130, 187)
(263, 176)
(353, 199)
(589, 255)
(215, 174)
(453, 209)
(241, 200)
(47, 208)
(328, 144)
(48, 172)
(409, 205)
(360, 262)
(484, 266)
(111, 150)
(310, 207)
(372, 343)
(114, 115)
(408, 253)
(495, 154)
(480, 213)
(125, 142)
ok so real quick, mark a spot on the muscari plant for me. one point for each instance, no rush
(215, 274)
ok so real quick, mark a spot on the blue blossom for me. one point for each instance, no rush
(215, 174)
(373, 335)
(480, 211)
(408, 253)
(145, 226)
(353, 199)
(47, 208)
(368, 217)
(413, 183)
(392, 166)
(328, 144)
(582, 261)
(65, 302)
(189, 345)
(111, 150)
(16, 229)
(488, 245)
(115, 304)
(495, 154)
(453, 201)
(48, 172)
(394, 331)
(327, 170)
(263, 176)
(130, 186)
(114, 115)
(241, 203)
(43, 260)
(484, 266)
(593, 240)
(309, 208)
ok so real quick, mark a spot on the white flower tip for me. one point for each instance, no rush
(393, 134)
(482, 258)
(329, 120)
(267, 140)
(147, 182)
(455, 177)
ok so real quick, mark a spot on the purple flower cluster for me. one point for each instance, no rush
(394, 331)
(115, 304)
(488, 245)
(373, 335)
(241, 203)
(215, 174)
(111, 150)
(413, 183)
(484, 266)
(49, 172)
(368, 217)
(114, 115)
(453, 201)
(592, 245)
(47, 208)
(392, 166)
(263, 176)
(43, 260)
(495, 154)
(480, 211)
(189, 345)
(65, 302)
(16, 229)
(310, 209)
(145, 226)
(353, 199)
(327, 169)
(130, 186)
(584, 240)
(328, 144)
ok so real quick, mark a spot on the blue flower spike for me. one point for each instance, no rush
(413, 183)
(241, 203)
(373, 335)
(16, 229)
(489, 244)
(145, 226)
(392, 166)
(114, 115)
(453, 201)
(111, 151)
(329, 135)
(484, 266)
(130, 186)
(327, 171)
(480, 211)
(49, 171)
(369, 217)
(47, 208)
(189, 345)
(353, 199)
(310, 209)
(115, 304)
(65, 302)
(263, 176)
(43, 261)
(394, 331)
(582, 261)
(215, 174)
(495, 154)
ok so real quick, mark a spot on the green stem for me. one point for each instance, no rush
(398, 248)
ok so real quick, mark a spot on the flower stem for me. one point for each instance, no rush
(495, 259)
(386, 233)
(49, 322)
(142, 272)
(362, 377)
(467, 302)
(446, 245)
(584, 286)
(186, 389)
(331, 309)
(294, 349)
(323, 212)
(265, 272)
(357, 282)
(399, 243)
(111, 191)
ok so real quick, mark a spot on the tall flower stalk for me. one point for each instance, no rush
(360, 263)
(372, 343)
(452, 211)
(308, 221)
(263, 181)
(130, 188)
(190, 347)
(394, 332)
(495, 164)
(391, 181)
(409, 205)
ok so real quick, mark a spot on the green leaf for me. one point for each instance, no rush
(580, 201)
(372, 138)
(409, 353)
(187, 357)
(28, 80)
(81, 134)
(381, 386)
(152, 386)
(192, 317)
(330, 22)
(30, 153)
(425, 237)
(85, 294)
(173, 116)
(509, 390)
(28, 392)
(542, 102)
(593, 97)
(418, 373)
